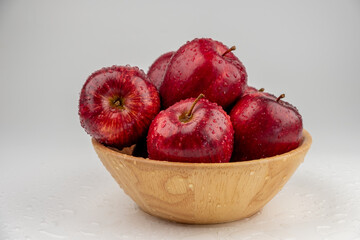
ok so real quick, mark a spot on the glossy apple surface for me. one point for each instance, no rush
(205, 137)
(203, 66)
(117, 105)
(157, 69)
(250, 89)
(264, 126)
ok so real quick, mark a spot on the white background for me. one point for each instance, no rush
(52, 185)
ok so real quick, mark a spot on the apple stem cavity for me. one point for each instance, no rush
(280, 97)
(188, 115)
(229, 50)
(118, 103)
(261, 89)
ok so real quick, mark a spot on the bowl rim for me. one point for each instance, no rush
(304, 146)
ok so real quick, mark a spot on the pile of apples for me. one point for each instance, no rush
(208, 112)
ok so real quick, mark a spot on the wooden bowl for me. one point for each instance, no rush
(201, 193)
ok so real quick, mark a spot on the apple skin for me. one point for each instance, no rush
(264, 127)
(157, 69)
(199, 67)
(117, 105)
(249, 89)
(207, 137)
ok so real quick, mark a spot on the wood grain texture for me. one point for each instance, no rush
(201, 193)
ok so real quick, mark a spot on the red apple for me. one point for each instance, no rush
(264, 126)
(250, 89)
(204, 66)
(117, 105)
(157, 69)
(191, 130)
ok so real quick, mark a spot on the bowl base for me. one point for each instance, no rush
(197, 222)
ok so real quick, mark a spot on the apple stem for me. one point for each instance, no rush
(261, 89)
(229, 50)
(280, 97)
(117, 103)
(188, 115)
